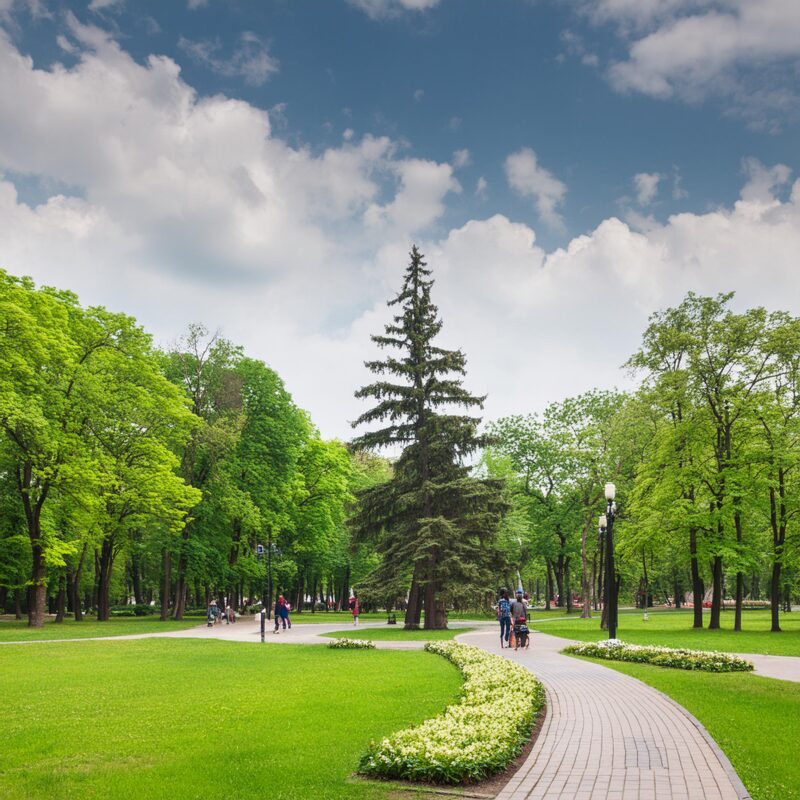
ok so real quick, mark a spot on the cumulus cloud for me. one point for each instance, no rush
(528, 179)
(189, 208)
(646, 185)
(740, 50)
(383, 9)
(250, 60)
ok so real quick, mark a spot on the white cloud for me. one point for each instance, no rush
(763, 181)
(420, 199)
(462, 158)
(190, 208)
(744, 51)
(250, 60)
(481, 187)
(418, 95)
(383, 9)
(100, 5)
(529, 179)
(646, 184)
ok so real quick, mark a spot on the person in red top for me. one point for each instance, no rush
(355, 609)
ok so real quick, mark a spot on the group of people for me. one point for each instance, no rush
(218, 615)
(513, 617)
(282, 609)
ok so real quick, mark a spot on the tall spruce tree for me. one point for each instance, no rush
(434, 524)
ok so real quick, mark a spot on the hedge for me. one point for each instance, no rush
(677, 658)
(472, 739)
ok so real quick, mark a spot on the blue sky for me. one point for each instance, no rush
(506, 136)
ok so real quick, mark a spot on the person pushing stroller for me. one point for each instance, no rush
(521, 634)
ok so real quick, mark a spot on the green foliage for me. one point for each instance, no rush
(615, 650)
(433, 523)
(470, 740)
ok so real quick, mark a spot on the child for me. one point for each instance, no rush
(521, 634)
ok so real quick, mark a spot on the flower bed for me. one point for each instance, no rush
(471, 739)
(615, 650)
(351, 644)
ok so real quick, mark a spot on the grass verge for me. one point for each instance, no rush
(756, 721)
(158, 718)
(12, 630)
(674, 629)
(398, 634)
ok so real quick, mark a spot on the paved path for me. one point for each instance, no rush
(784, 668)
(607, 736)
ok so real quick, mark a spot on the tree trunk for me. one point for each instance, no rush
(17, 603)
(104, 581)
(61, 600)
(737, 622)
(558, 570)
(435, 613)
(698, 590)
(37, 594)
(716, 593)
(414, 610)
(778, 524)
(136, 579)
(567, 586)
(586, 611)
(166, 580)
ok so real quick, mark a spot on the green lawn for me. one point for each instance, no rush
(178, 719)
(397, 634)
(18, 630)
(335, 617)
(674, 629)
(756, 721)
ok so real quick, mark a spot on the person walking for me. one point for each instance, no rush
(355, 609)
(518, 607)
(281, 613)
(504, 615)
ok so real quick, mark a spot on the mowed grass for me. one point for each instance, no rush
(335, 617)
(397, 634)
(756, 721)
(674, 629)
(165, 718)
(12, 630)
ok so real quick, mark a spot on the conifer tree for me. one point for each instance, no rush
(434, 523)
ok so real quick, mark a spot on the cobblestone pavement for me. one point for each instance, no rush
(608, 736)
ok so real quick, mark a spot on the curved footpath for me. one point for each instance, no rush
(606, 736)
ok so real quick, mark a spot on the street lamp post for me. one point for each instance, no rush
(607, 523)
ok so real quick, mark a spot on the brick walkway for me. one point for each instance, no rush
(607, 736)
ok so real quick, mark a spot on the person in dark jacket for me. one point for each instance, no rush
(504, 616)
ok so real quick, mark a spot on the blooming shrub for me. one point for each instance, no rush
(471, 739)
(615, 650)
(351, 644)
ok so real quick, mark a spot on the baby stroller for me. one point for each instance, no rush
(521, 634)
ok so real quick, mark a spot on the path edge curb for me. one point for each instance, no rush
(724, 761)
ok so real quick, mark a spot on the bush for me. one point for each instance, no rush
(134, 610)
(615, 650)
(351, 644)
(476, 737)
